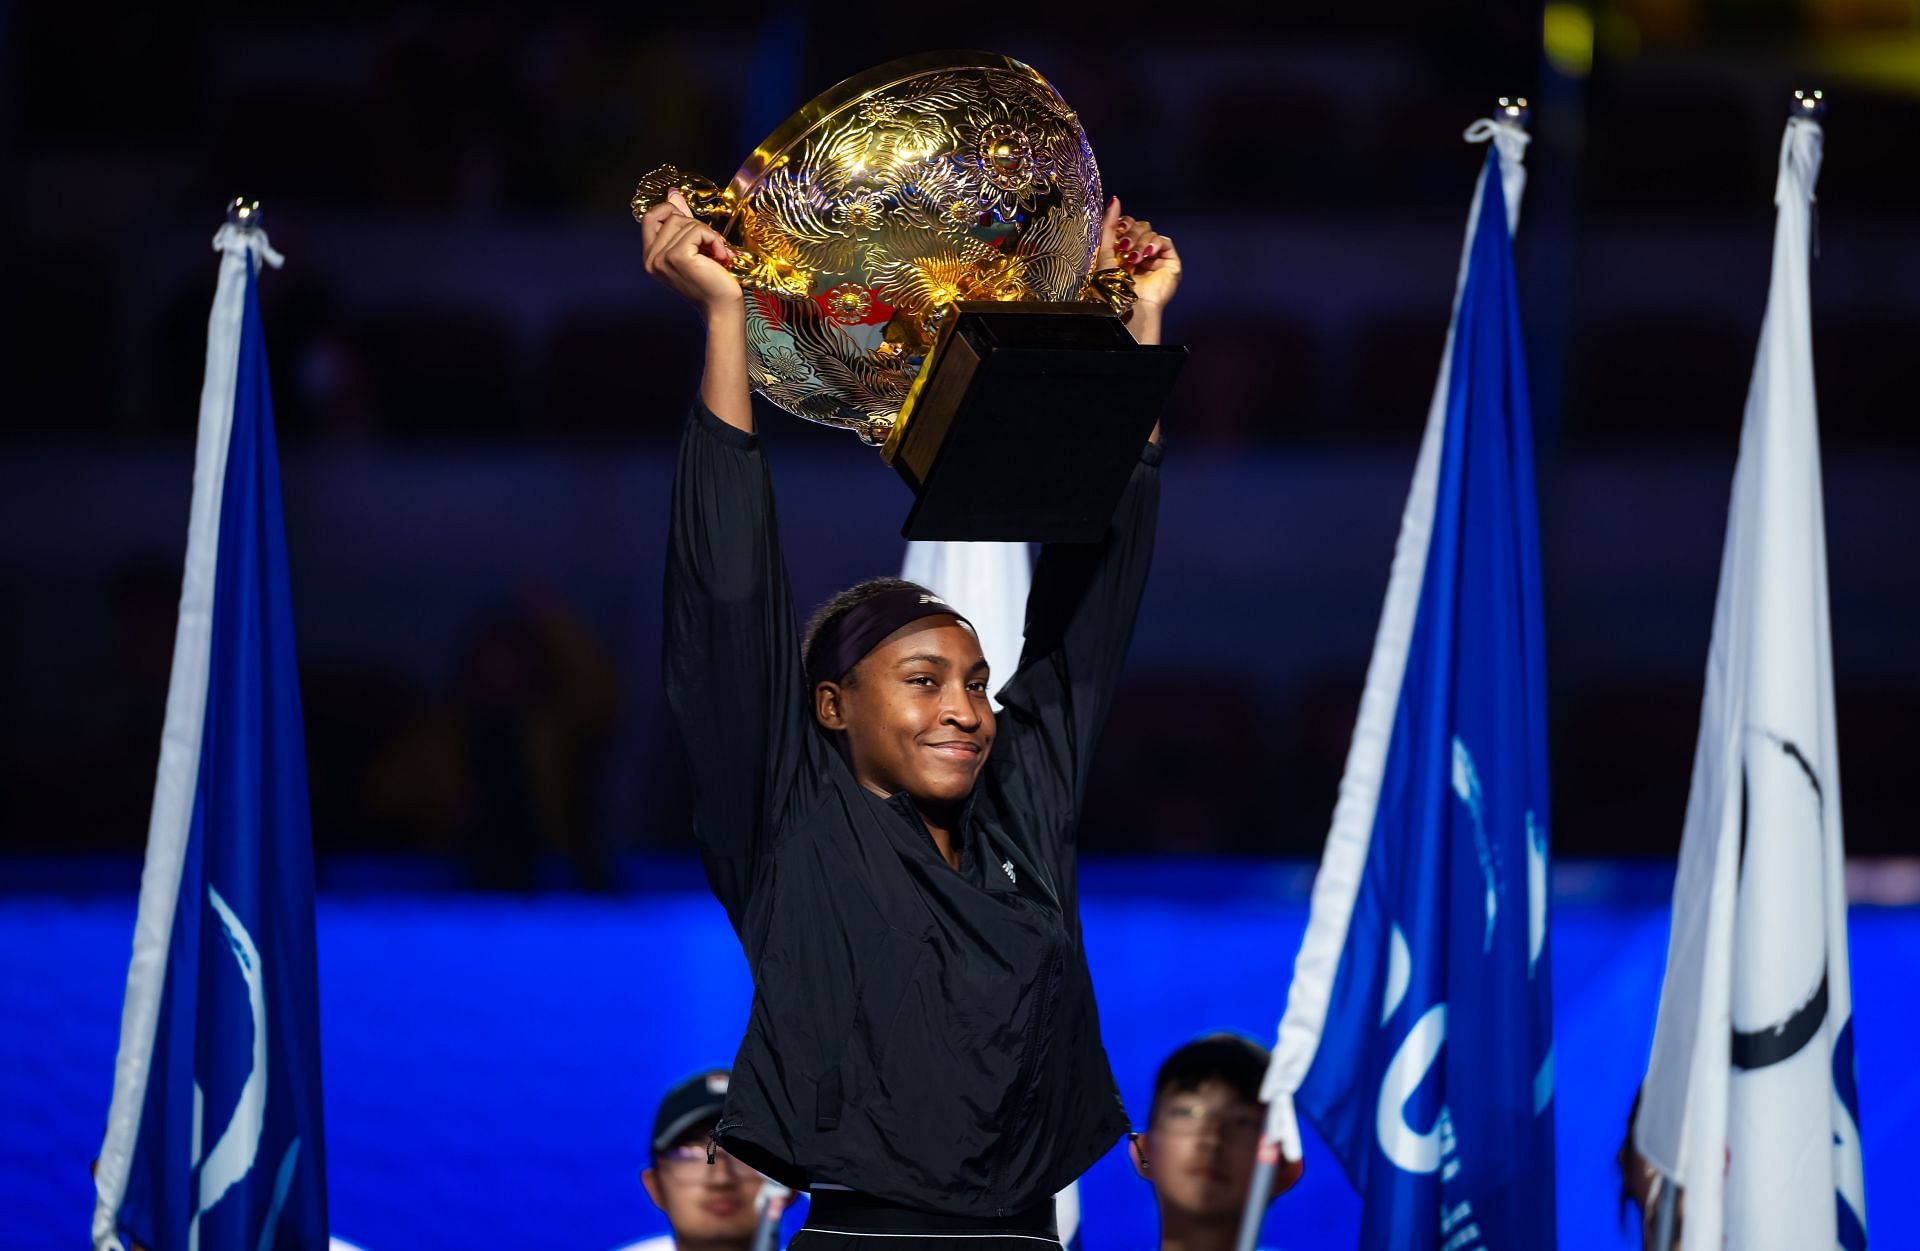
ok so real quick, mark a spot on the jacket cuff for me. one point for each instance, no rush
(732, 436)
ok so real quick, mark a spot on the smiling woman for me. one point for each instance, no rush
(923, 1052)
(919, 723)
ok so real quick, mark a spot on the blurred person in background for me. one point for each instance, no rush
(1202, 1139)
(706, 1194)
(510, 764)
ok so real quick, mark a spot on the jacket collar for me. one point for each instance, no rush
(973, 844)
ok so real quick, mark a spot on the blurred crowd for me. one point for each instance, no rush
(451, 187)
(494, 131)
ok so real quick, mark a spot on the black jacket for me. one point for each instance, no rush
(921, 1035)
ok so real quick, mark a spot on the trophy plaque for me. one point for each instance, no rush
(916, 252)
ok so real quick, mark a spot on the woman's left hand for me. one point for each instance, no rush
(1149, 256)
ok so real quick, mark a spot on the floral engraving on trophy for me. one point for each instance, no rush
(861, 212)
(1006, 157)
(783, 364)
(864, 155)
(958, 182)
(1048, 249)
(849, 303)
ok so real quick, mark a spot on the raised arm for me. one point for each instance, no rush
(1080, 615)
(732, 667)
(690, 259)
(1081, 610)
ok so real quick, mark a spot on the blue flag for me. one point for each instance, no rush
(214, 1139)
(1418, 1034)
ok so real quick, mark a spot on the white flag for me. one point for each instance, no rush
(985, 582)
(1749, 1103)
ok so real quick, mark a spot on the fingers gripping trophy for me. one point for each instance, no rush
(924, 257)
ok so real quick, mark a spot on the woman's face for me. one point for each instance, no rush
(915, 712)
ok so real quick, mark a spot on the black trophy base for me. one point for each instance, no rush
(1028, 423)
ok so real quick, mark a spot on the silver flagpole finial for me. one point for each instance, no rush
(1810, 104)
(243, 212)
(1513, 110)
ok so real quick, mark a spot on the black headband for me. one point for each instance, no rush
(843, 641)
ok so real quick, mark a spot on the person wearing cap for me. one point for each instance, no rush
(1202, 1141)
(923, 1050)
(709, 1206)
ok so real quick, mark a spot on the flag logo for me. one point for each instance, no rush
(1749, 1104)
(214, 1136)
(1418, 1032)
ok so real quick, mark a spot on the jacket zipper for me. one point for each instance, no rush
(1030, 1076)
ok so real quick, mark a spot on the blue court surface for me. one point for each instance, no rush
(492, 1063)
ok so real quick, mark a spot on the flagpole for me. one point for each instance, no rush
(1743, 1143)
(1337, 883)
(1281, 1132)
(1664, 1211)
(771, 1205)
(241, 244)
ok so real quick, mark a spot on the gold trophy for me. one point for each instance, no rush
(916, 250)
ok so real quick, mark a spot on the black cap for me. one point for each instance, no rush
(1236, 1060)
(687, 1105)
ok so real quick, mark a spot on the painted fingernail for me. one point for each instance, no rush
(1150, 250)
(1124, 241)
(1133, 258)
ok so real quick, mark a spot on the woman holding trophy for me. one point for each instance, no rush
(923, 1051)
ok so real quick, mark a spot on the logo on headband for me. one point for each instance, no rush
(929, 598)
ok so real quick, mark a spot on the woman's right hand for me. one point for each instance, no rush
(690, 257)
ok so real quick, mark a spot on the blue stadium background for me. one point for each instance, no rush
(477, 394)
(492, 1062)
